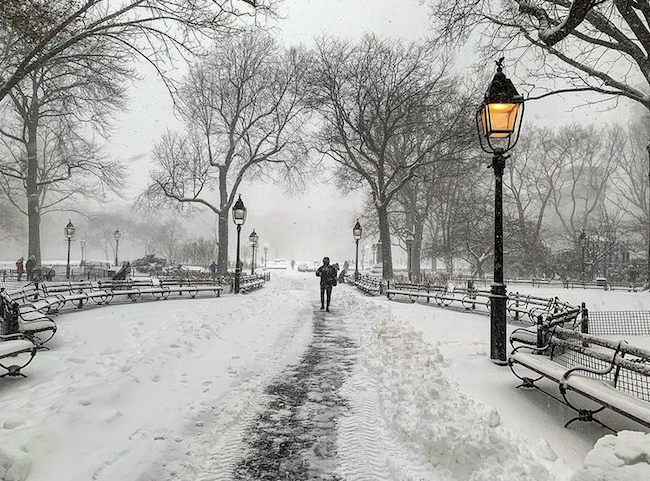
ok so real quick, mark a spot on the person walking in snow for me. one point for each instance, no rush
(327, 274)
(20, 268)
(293, 263)
(29, 267)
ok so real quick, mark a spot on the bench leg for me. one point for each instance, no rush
(13, 371)
(587, 415)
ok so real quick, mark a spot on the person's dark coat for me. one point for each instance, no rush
(29, 267)
(327, 275)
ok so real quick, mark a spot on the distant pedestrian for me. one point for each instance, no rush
(20, 268)
(327, 274)
(213, 268)
(29, 267)
(293, 263)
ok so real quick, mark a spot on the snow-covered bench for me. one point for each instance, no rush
(368, 284)
(12, 346)
(250, 283)
(412, 291)
(615, 375)
(22, 319)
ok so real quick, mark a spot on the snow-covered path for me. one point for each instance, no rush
(266, 386)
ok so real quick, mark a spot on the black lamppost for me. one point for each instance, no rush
(253, 241)
(498, 121)
(238, 217)
(68, 231)
(409, 248)
(118, 237)
(82, 244)
(266, 252)
(356, 233)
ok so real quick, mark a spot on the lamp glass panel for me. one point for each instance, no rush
(501, 119)
(239, 216)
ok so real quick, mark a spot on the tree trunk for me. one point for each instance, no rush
(416, 255)
(224, 210)
(384, 236)
(33, 209)
(647, 275)
(222, 260)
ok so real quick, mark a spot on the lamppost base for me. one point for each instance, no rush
(498, 324)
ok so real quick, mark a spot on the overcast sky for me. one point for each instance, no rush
(320, 222)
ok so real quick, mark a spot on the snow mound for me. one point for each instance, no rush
(14, 464)
(618, 457)
(425, 409)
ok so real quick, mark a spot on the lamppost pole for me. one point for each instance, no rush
(118, 236)
(69, 234)
(266, 252)
(498, 120)
(356, 233)
(498, 289)
(253, 241)
(82, 244)
(238, 217)
(238, 265)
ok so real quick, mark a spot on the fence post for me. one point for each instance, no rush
(540, 332)
(584, 322)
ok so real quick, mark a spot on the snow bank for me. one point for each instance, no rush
(425, 410)
(14, 464)
(621, 457)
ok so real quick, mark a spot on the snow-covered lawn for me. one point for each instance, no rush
(205, 389)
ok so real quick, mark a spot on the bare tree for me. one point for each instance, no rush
(48, 162)
(579, 45)
(245, 117)
(42, 32)
(381, 104)
(589, 159)
(630, 187)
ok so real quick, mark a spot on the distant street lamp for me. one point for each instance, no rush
(356, 233)
(409, 248)
(238, 217)
(374, 253)
(266, 252)
(118, 237)
(498, 120)
(68, 232)
(253, 241)
(82, 244)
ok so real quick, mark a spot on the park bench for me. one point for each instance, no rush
(368, 284)
(444, 296)
(526, 307)
(34, 325)
(11, 346)
(613, 374)
(192, 286)
(74, 292)
(412, 291)
(250, 283)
